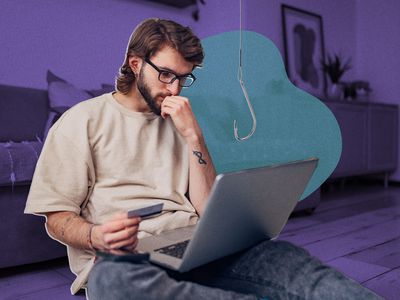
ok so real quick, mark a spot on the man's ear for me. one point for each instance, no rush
(135, 62)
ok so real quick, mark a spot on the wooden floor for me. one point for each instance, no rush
(356, 230)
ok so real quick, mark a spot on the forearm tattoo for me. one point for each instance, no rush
(200, 157)
(68, 220)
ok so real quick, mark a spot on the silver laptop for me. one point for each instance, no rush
(244, 208)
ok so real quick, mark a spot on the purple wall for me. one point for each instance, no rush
(84, 41)
(338, 19)
(378, 47)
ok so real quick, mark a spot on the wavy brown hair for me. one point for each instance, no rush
(149, 37)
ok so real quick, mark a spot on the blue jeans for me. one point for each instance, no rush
(270, 270)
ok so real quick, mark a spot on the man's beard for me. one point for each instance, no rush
(145, 92)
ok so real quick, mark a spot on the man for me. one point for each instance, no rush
(139, 146)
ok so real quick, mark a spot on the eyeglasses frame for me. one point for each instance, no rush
(147, 60)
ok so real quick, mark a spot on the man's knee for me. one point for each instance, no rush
(282, 247)
(124, 280)
(109, 280)
(288, 246)
(101, 280)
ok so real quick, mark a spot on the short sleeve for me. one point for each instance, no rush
(62, 178)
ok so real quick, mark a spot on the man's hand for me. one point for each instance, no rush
(179, 109)
(119, 232)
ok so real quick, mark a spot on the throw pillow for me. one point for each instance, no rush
(62, 93)
(105, 88)
(50, 77)
(62, 96)
(54, 114)
(51, 119)
(65, 94)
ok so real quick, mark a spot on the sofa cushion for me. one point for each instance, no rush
(18, 161)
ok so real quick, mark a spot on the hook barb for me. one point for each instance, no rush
(253, 116)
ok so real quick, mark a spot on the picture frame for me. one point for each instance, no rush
(303, 39)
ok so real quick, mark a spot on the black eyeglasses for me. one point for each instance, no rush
(169, 77)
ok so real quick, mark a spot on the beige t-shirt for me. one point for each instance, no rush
(100, 158)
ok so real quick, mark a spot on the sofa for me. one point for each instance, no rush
(26, 114)
(23, 116)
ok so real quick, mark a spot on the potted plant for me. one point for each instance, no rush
(335, 67)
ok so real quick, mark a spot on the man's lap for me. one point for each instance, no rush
(273, 269)
(124, 280)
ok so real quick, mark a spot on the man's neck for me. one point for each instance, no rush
(132, 101)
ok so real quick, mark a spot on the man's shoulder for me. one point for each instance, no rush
(80, 116)
(89, 106)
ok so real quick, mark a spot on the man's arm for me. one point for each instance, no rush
(73, 230)
(69, 228)
(201, 173)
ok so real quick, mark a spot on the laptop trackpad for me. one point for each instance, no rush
(165, 238)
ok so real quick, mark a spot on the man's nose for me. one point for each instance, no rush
(174, 87)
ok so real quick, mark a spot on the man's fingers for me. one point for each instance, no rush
(171, 101)
(117, 225)
(110, 239)
(129, 243)
(171, 108)
(177, 99)
(164, 114)
(166, 111)
(130, 247)
(169, 104)
(176, 102)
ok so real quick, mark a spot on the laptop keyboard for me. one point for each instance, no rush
(175, 250)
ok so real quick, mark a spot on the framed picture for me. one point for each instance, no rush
(304, 49)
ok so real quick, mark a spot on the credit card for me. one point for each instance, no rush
(146, 211)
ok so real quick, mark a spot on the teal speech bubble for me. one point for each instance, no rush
(291, 124)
